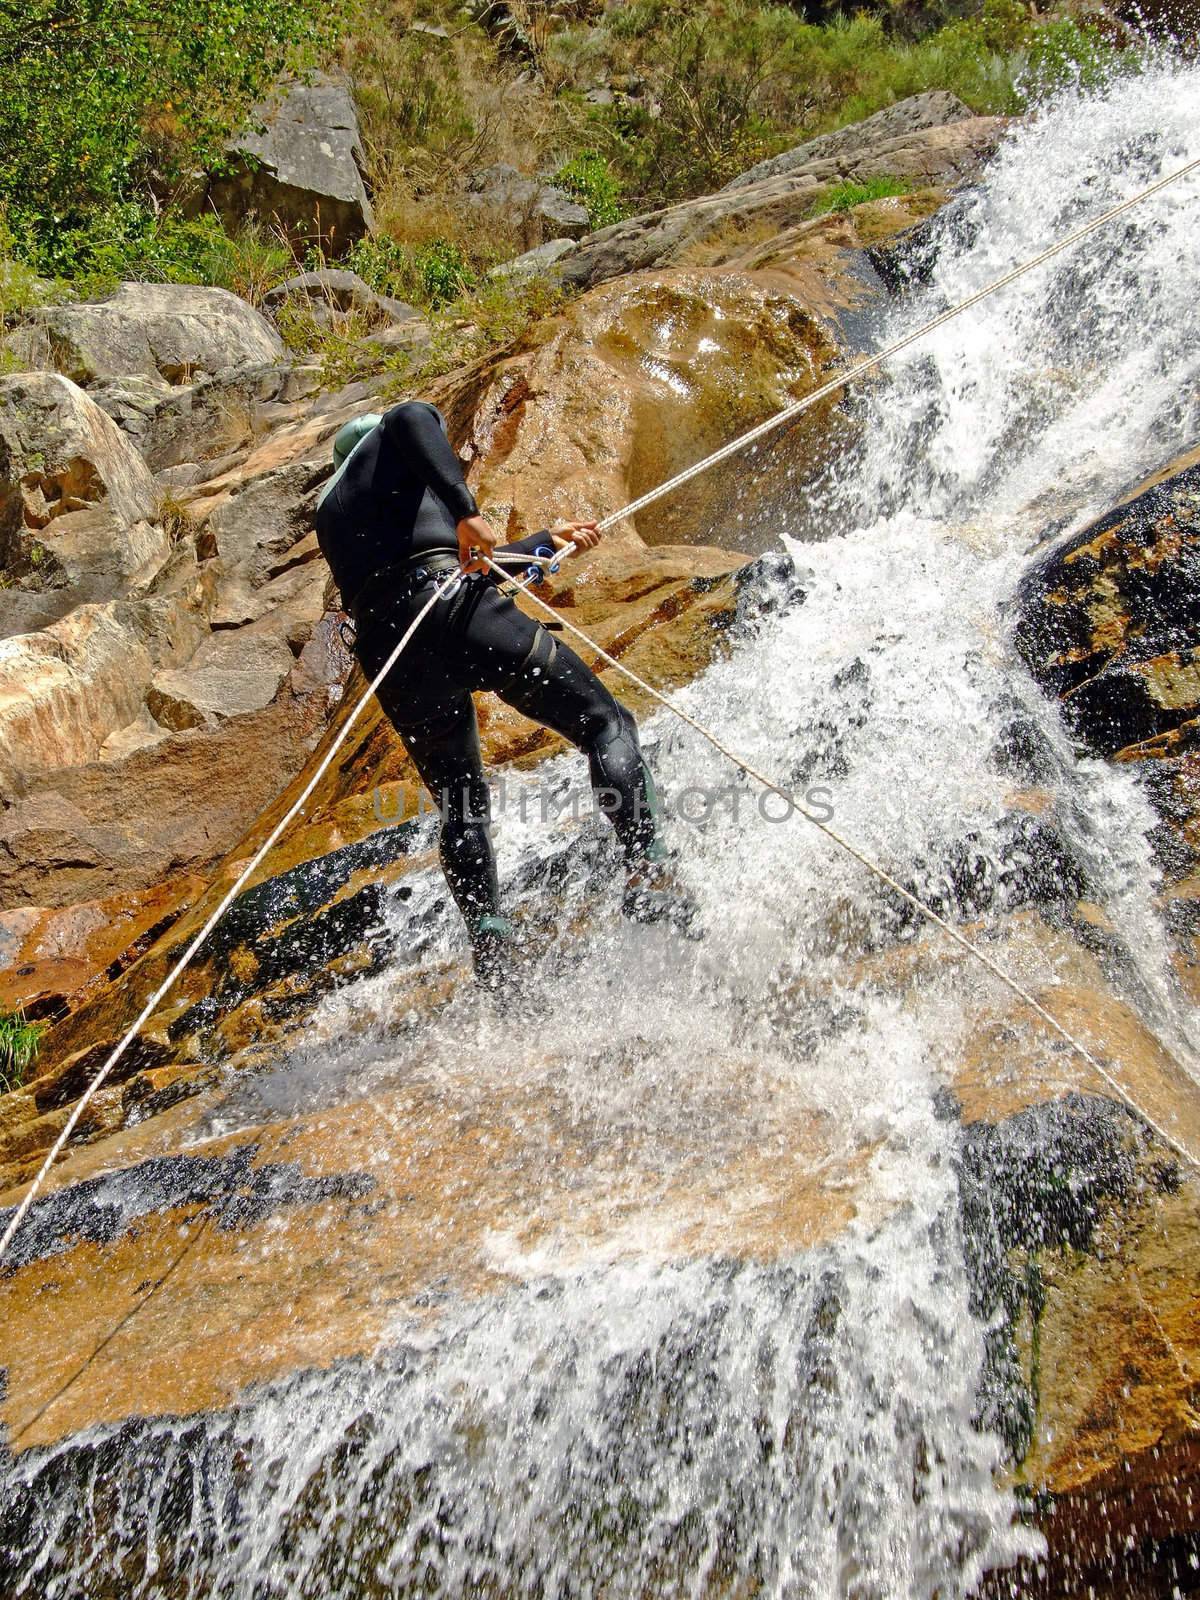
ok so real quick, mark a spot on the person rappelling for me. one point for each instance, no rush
(397, 517)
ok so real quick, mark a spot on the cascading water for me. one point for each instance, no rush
(635, 1416)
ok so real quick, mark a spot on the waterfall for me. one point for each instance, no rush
(633, 1415)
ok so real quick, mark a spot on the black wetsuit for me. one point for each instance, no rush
(402, 494)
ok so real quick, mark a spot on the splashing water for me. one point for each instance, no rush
(634, 1415)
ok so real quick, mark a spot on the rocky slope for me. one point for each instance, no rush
(172, 662)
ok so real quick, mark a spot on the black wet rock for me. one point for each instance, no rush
(61, 1088)
(287, 934)
(1022, 749)
(907, 260)
(228, 1189)
(1028, 863)
(769, 586)
(1041, 1180)
(1122, 592)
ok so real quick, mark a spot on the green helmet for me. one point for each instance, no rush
(353, 433)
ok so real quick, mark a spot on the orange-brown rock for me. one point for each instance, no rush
(639, 379)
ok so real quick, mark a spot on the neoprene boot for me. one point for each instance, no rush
(491, 943)
(653, 892)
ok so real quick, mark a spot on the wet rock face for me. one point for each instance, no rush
(232, 1191)
(1070, 1213)
(1108, 621)
(640, 379)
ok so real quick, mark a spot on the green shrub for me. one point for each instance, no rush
(105, 98)
(431, 274)
(126, 240)
(19, 1045)
(1061, 53)
(589, 177)
(383, 263)
(443, 271)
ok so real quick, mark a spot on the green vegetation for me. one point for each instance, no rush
(113, 107)
(738, 81)
(590, 178)
(109, 106)
(19, 1043)
(431, 274)
(845, 196)
(698, 93)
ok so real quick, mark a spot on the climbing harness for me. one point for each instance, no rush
(551, 564)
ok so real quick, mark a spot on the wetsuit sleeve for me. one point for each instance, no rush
(526, 546)
(520, 547)
(414, 428)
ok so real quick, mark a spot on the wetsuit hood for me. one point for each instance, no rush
(353, 433)
(345, 442)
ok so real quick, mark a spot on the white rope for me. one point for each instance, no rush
(226, 901)
(871, 362)
(872, 866)
(649, 498)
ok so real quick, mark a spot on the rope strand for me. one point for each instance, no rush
(744, 440)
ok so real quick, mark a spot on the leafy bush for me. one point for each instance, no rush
(1061, 53)
(382, 262)
(443, 271)
(105, 98)
(595, 185)
(19, 1044)
(431, 274)
(128, 240)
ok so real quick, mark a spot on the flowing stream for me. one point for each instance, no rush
(632, 1416)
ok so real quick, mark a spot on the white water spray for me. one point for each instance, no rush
(624, 1420)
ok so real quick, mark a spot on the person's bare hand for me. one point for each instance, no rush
(475, 540)
(583, 535)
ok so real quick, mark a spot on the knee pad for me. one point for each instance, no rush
(615, 752)
(537, 665)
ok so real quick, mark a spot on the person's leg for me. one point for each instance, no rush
(556, 688)
(445, 751)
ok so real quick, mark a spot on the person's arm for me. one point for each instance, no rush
(414, 429)
(528, 546)
(583, 535)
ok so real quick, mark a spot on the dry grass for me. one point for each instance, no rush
(176, 520)
(435, 109)
(483, 235)
(237, 424)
